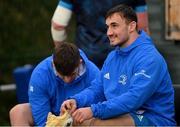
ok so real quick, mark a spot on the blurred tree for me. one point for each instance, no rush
(25, 36)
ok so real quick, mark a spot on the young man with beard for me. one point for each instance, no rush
(90, 33)
(134, 80)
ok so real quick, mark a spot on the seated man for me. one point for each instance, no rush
(67, 72)
(134, 80)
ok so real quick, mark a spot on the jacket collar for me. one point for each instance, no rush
(143, 38)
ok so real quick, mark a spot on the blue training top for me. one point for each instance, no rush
(47, 91)
(136, 80)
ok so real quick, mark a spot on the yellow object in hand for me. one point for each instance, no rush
(64, 121)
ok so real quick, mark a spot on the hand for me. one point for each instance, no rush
(82, 114)
(69, 105)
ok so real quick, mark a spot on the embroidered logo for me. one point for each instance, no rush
(107, 76)
(142, 72)
(140, 117)
(122, 79)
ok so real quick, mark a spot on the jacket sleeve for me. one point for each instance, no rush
(91, 95)
(147, 75)
(38, 99)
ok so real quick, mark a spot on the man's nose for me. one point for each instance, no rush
(109, 32)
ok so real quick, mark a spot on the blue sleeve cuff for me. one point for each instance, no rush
(77, 101)
(94, 111)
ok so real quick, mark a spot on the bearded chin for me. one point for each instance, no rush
(119, 44)
(123, 43)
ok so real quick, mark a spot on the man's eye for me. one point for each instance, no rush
(114, 25)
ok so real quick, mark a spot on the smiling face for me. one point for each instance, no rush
(118, 30)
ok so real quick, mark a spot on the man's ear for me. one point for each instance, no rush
(132, 26)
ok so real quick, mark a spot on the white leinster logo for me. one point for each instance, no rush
(123, 79)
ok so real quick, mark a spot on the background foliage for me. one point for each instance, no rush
(25, 38)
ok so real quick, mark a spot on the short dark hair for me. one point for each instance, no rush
(66, 58)
(124, 11)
